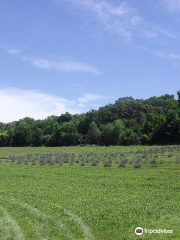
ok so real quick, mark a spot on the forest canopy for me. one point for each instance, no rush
(128, 121)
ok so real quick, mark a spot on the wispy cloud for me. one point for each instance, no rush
(17, 103)
(161, 54)
(125, 21)
(87, 98)
(121, 19)
(157, 31)
(11, 50)
(62, 65)
(171, 5)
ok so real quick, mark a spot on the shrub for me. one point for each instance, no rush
(107, 164)
(82, 163)
(71, 162)
(161, 161)
(137, 165)
(94, 163)
(177, 160)
(153, 162)
(121, 164)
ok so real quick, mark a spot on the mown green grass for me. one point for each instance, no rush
(74, 202)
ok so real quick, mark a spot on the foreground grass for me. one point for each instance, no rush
(73, 202)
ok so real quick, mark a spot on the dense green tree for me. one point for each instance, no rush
(112, 133)
(117, 132)
(126, 122)
(106, 138)
(130, 138)
(49, 125)
(67, 117)
(4, 139)
(22, 134)
(65, 135)
(36, 136)
(94, 134)
(178, 93)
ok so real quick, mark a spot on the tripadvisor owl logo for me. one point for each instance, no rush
(139, 231)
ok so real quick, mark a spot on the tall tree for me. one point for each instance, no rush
(94, 134)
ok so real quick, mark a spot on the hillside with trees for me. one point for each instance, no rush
(126, 122)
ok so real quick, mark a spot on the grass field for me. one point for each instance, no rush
(75, 199)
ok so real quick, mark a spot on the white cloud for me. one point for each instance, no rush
(61, 65)
(87, 98)
(81, 105)
(16, 104)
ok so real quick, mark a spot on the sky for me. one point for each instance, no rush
(60, 56)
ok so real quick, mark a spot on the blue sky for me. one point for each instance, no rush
(77, 55)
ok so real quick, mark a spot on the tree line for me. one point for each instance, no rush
(128, 121)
